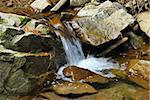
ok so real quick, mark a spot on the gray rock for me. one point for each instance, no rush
(28, 49)
(98, 24)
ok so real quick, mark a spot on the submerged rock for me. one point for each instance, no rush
(138, 71)
(98, 24)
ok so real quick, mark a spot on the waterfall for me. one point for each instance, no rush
(75, 56)
(73, 50)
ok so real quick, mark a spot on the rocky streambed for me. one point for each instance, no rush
(74, 50)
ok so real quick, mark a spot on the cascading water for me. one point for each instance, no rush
(73, 50)
(75, 56)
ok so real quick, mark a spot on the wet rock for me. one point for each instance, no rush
(99, 24)
(118, 91)
(73, 88)
(144, 22)
(80, 74)
(142, 53)
(138, 71)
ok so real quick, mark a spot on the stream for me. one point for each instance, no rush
(75, 56)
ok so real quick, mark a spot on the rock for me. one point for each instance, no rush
(100, 24)
(58, 5)
(27, 38)
(28, 35)
(135, 40)
(138, 71)
(144, 22)
(27, 54)
(118, 91)
(73, 88)
(97, 10)
(80, 74)
(40, 5)
(19, 83)
(66, 15)
(20, 73)
(78, 2)
(8, 97)
(142, 53)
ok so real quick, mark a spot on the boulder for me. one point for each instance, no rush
(28, 51)
(20, 72)
(98, 24)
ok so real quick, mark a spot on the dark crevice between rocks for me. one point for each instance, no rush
(96, 50)
(33, 43)
(75, 96)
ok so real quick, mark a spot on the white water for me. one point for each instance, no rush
(75, 56)
(96, 64)
(73, 50)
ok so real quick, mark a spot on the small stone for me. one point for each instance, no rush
(58, 5)
(39, 5)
